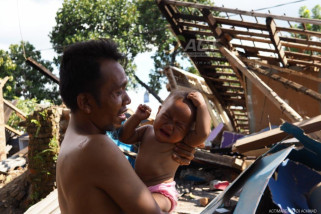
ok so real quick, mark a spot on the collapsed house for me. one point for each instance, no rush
(256, 71)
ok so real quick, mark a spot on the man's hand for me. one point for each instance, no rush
(143, 112)
(183, 153)
(197, 98)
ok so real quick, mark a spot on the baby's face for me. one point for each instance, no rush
(173, 121)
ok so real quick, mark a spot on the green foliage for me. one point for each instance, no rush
(135, 25)
(155, 31)
(26, 82)
(80, 20)
(304, 12)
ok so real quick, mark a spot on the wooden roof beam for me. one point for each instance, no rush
(253, 49)
(289, 83)
(302, 46)
(300, 31)
(217, 66)
(302, 62)
(241, 12)
(275, 135)
(252, 39)
(276, 41)
(234, 32)
(215, 28)
(301, 41)
(221, 80)
(239, 23)
(263, 87)
(303, 56)
(283, 70)
(195, 32)
(42, 69)
(194, 25)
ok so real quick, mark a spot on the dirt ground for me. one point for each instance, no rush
(189, 203)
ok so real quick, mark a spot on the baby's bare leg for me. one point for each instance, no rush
(163, 202)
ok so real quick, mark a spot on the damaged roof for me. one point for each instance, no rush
(233, 49)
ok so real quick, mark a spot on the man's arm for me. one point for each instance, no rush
(202, 123)
(113, 174)
(129, 133)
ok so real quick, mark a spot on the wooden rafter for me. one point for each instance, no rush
(276, 41)
(283, 70)
(253, 40)
(289, 83)
(265, 89)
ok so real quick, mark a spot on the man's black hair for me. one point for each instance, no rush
(80, 69)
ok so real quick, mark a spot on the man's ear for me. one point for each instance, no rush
(84, 102)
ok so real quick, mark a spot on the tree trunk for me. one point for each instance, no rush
(151, 91)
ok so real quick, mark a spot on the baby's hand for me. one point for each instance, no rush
(197, 98)
(143, 111)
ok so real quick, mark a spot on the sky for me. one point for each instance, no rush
(32, 20)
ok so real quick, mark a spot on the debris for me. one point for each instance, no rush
(216, 184)
(204, 201)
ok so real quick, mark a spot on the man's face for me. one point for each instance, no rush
(173, 121)
(109, 112)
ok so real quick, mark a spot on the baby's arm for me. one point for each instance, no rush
(129, 133)
(202, 123)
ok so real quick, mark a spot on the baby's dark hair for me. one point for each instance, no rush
(80, 69)
(182, 94)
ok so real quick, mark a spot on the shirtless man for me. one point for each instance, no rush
(93, 176)
(183, 117)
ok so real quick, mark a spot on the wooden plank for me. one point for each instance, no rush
(241, 12)
(267, 138)
(301, 41)
(253, 39)
(188, 17)
(301, 46)
(300, 31)
(18, 111)
(263, 87)
(303, 56)
(239, 23)
(234, 32)
(197, 32)
(221, 80)
(283, 70)
(211, 58)
(15, 131)
(193, 25)
(3, 152)
(298, 87)
(214, 67)
(302, 62)
(42, 69)
(218, 159)
(254, 49)
(276, 41)
(214, 26)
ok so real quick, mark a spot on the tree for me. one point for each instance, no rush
(135, 25)
(80, 20)
(26, 82)
(316, 14)
(155, 31)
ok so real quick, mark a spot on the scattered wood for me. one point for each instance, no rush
(268, 138)
(217, 159)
